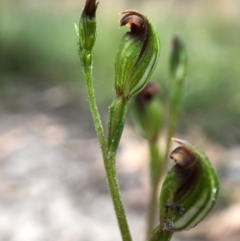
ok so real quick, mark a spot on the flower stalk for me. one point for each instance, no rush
(86, 33)
(139, 48)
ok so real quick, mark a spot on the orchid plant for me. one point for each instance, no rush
(190, 189)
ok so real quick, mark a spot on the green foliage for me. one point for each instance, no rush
(36, 45)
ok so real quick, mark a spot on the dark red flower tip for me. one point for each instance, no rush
(90, 8)
(175, 42)
(135, 20)
(150, 91)
(187, 170)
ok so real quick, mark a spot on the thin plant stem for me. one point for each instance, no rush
(109, 152)
(114, 190)
(94, 109)
(152, 210)
(156, 167)
(117, 116)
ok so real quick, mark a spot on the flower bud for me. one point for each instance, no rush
(189, 191)
(137, 55)
(86, 30)
(178, 69)
(178, 59)
(148, 112)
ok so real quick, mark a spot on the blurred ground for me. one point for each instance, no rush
(52, 181)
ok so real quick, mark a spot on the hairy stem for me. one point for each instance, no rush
(114, 189)
(117, 116)
(93, 107)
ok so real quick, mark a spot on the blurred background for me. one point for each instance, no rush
(52, 181)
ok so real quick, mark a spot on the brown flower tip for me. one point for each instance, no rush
(147, 94)
(187, 170)
(135, 20)
(183, 157)
(175, 42)
(90, 8)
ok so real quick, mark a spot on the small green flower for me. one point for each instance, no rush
(137, 55)
(86, 32)
(189, 191)
(178, 71)
(178, 59)
(87, 26)
(148, 112)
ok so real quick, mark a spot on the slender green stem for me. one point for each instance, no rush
(156, 169)
(152, 210)
(93, 107)
(114, 189)
(117, 116)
